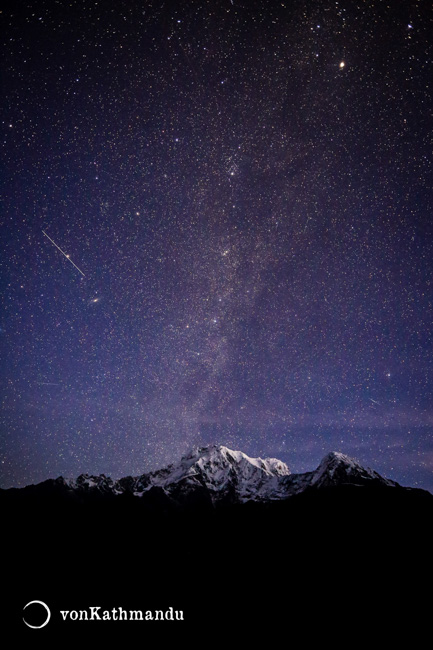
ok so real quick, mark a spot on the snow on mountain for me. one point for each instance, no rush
(102, 483)
(216, 474)
(338, 469)
(221, 470)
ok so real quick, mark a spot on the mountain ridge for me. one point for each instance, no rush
(218, 475)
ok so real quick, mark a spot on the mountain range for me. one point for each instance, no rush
(215, 475)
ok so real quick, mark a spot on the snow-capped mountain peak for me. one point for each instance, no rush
(87, 482)
(216, 457)
(221, 470)
(337, 468)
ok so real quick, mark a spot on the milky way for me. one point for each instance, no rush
(245, 192)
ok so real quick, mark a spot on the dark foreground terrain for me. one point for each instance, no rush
(351, 564)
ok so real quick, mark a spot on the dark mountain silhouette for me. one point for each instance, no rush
(232, 541)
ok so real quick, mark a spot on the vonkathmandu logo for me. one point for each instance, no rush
(120, 614)
(96, 614)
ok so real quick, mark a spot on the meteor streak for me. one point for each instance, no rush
(63, 253)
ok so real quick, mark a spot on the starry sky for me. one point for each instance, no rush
(216, 228)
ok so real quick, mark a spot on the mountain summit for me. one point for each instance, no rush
(223, 471)
(338, 469)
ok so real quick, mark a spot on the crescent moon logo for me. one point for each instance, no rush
(39, 602)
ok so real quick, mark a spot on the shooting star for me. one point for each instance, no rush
(373, 400)
(63, 253)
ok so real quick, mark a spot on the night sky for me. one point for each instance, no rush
(216, 228)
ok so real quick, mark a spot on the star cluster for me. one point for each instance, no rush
(244, 190)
